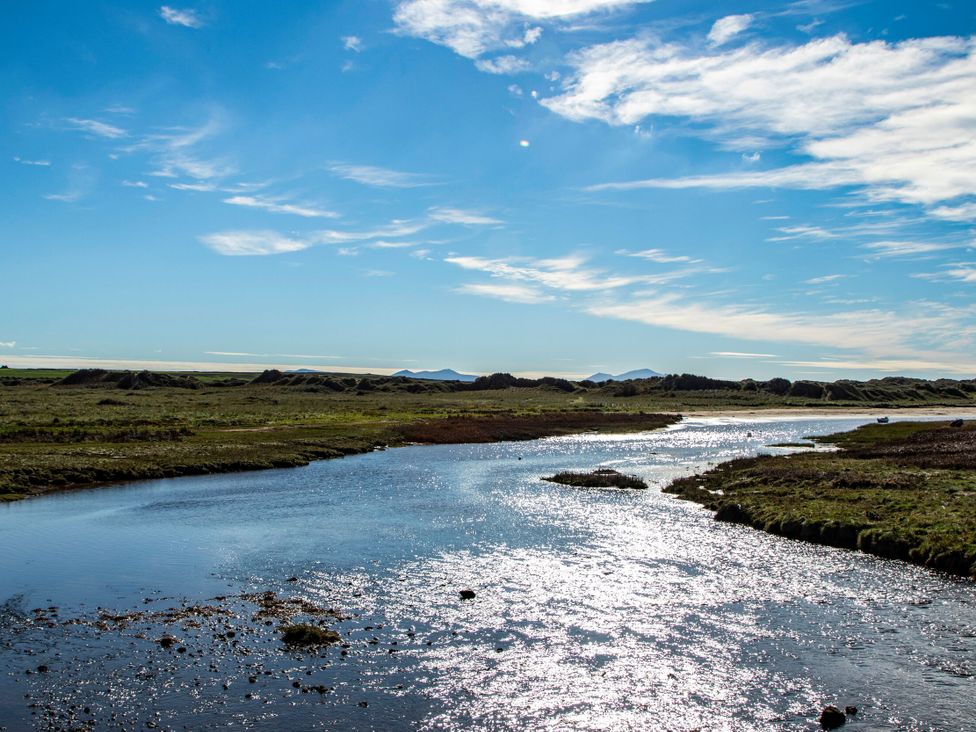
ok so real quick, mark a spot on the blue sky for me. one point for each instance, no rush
(534, 186)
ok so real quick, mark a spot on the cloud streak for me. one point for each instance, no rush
(893, 119)
(275, 206)
(184, 17)
(372, 175)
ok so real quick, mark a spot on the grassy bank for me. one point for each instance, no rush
(55, 437)
(902, 490)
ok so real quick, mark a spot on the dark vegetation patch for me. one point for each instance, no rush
(496, 428)
(902, 490)
(600, 478)
(306, 635)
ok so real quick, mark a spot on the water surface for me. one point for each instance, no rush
(595, 610)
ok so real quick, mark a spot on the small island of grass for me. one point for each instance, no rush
(904, 491)
(601, 478)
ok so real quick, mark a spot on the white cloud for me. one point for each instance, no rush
(384, 244)
(97, 128)
(176, 16)
(962, 212)
(725, 29)
(874, 331)
(509, 293)
(447, 215)
(659, 256)
(39, 163)
(371, 175)
(965, 274)
(473, 27)
(135, 184)
(741, 354)
(274, 206)
(825, 279)
(889, 365)
(268, 355)
(563, 273)
(895, 120)
(253, 243)
(502, 65)
(198, 187)
(882, 249)
(175, 152)
(8, 344)
(352, 43)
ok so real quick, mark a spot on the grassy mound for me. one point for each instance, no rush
(602, 478)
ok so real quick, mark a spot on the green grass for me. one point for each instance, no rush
(901, 490)
(54, 437)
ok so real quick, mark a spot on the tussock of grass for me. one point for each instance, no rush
(602, 478)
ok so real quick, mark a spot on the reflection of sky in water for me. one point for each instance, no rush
(612, 610)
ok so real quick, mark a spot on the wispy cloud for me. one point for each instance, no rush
(81, 180)
(198, 187)
(875, 331)
(269, 355)
(473, 27)
(352, 43)
(253, 243)
(883, 249)
(135, 184)
(372, 175)
(825, 279)
(448, 215)
(502, 65)
(725, 29)
(523, 294)
(562, 273)
(181, 16)
(96, 127)
(8, 344)
(889, 365)
(892, 119)
(741, 354)
(275, 206)
(39, 163)
(176, 152)
(659, 256)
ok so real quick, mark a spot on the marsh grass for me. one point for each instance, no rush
(903, 490)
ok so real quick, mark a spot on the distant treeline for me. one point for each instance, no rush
(889, 389)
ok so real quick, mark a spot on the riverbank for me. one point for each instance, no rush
(58, 438)
(70, 430)
(905, 490)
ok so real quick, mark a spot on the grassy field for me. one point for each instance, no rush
(905, 490)
(62, 429)
(54, 437)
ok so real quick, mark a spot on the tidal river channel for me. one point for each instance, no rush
(594, 609)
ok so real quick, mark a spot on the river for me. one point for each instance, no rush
(594, 609)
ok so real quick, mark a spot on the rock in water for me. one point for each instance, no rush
(831, 717)
(467, 594)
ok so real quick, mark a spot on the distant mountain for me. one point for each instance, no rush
(635, 374)
(303, 371)
(442, 375)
